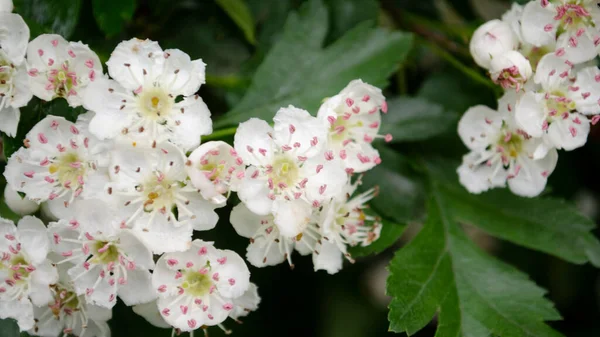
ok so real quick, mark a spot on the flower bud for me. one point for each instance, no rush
(490, 40)
(510, 70)
(21, 206)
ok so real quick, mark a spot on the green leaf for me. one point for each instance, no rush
(545, 224)
(346, 14)
(60, 107)
(49, 16)
(300, 72)
(399, 193)
(9, 328)
(390, 234)
(414, 119)
(111, 15)
(239, 12)
(441, 270)
(30, 115)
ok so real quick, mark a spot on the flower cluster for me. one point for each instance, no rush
(124, 188)
(542, 54)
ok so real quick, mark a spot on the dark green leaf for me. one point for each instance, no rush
(30, 115)
(9, 328)
(545, 224)
(346, 14)
(414, 119)
(390, 234)
(111, 15)
(399, 193)
(60, 107)
(475, 294)
(300, 72)
(49, 16)
(239, 12)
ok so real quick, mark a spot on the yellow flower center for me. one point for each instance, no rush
(196, 283)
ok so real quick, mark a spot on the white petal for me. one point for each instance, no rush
(6, 6)
(151, 314)
(291, 217)
(328, 182)
(533, 174)
(550, 72)
(161, 236)
(138, 288)
(7, 229)
(534, 21)
(491, 40)
(131, 59)
(14, 36)
(530, 113)
(200, 213)
(97, 313)
(298, 129)
(183, 75)
(209, 168)
(480, 178)
(21, 206)
(10, 120)
(44, 275)
(135, 249)
(21, 93)
(195, 122)
(329, 258)
(32, 235)
(233, 274)
(479, 127)
(587, 98)
(247, 302)
(567, 134)
(245, 222)
(104, 97)
(255, 193)
(585, 49)
(21, 310)
(261, 252)
(251, 136)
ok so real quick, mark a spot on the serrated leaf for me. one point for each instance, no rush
(49, 16)
(399, 193)
(390, 234)
(441, 270)
(300, 72)
(545, 224)
(414, 119)
(239, 12)
(111, 15)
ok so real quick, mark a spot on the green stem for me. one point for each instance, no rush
(473, 74)
(220, 134)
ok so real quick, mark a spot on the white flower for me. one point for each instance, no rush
(149, 184)
(344, 223)
(513, 18)
(354, 120)
(58, 68)
(510, 70)
(143, 101)
(25, 272)
(215, 168)
(197, 287)
(267, 246)
(108, 260)
(491, 40)
(501, 153)
(242, 306)
(60, 164)
(289, 174)
(17, 204)
(69, 314)
(14, 89)
(572, 24)
(555, 111)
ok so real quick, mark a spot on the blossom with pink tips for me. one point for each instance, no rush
(58, 68)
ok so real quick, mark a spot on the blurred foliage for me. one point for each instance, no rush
(263, 54)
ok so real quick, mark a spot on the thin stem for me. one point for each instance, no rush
(220, 134)
(473, 74)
